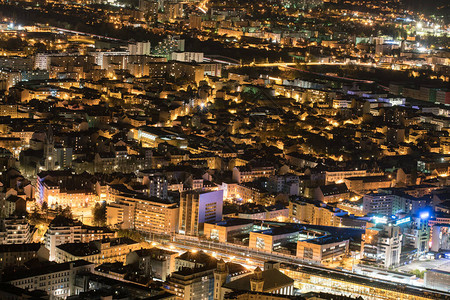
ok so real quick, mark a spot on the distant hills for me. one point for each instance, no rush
(439, 7)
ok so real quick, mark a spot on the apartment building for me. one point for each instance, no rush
(339, 176)
(63, 230)
(250, 173)
(134, 210)
(97, 252)
(55, 279)
(315, 213)
(12, 255)
(15, 230)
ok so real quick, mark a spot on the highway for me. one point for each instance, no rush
(286, 64)
(291, 65)
(63, 30)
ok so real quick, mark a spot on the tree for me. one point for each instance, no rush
(99, 214)
(44, 207)
(67, 212)
(418, 273)
(131, 234)
(34, 216)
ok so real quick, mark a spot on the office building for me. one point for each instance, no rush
(224, 231)
(381, 245)
(323, 249)
(381, 204)
(197, 208)
(273, 238)
(440, 237)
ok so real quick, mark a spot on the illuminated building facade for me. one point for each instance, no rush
(381, 245)
(197, 208)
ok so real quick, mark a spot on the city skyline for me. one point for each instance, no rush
(210, 150)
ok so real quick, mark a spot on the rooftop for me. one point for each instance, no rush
(273, 279)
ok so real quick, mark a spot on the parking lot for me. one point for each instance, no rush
(440, 264)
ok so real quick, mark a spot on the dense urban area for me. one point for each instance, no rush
(224, 149)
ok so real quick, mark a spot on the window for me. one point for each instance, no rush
(260, 243)
(308, 253)
(215, 234)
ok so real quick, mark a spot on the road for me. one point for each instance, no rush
(291, 65)
(286, 64)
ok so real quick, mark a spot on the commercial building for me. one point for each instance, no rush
(273, 238)
(437, 279)
(356, 285)
(416, 233)
(321, 250)
(440, 237)
(197, 208)
(224, 231)
(382, 245)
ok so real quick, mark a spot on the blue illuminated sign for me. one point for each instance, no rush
(424, 215)
(403, 221)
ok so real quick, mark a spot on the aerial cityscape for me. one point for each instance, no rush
(224, 149)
